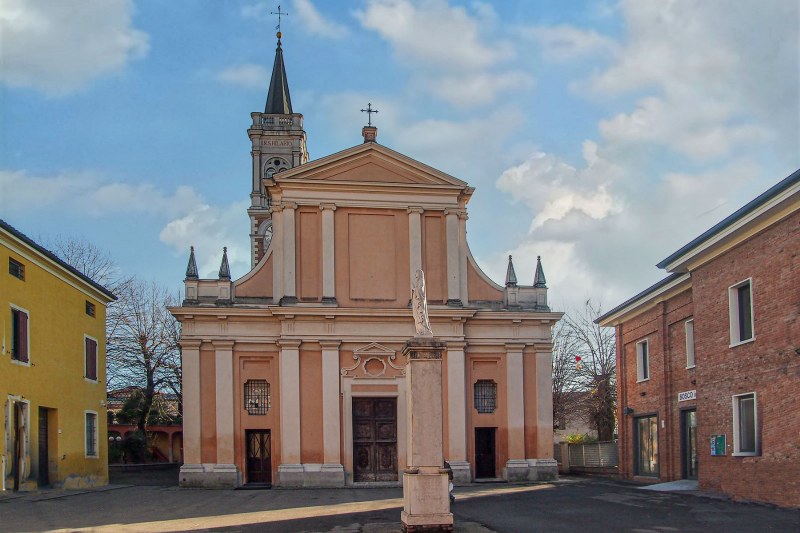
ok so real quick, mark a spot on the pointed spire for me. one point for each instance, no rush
(278, 100)
(539, 280)
(224, 268)
(511, 276)
(191, 268)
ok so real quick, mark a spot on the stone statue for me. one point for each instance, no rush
(419, 306)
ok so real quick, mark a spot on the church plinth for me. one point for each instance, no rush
(426, 502)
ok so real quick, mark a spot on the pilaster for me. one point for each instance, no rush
(453, 266)
(517, 466)
(457, 413)
(289, 281)
(225, 471)
(290, 471)
(414, 240)
(332, 472)
(277, 253)
(328, 249)
(462, 255)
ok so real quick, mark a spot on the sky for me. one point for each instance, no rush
(599, 135)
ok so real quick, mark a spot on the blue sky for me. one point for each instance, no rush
(600, 135)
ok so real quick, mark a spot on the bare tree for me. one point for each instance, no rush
(567, 385)
(142, 347)
(141, 335)
(595, 372)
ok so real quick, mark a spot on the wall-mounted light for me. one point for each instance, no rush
(627, 411)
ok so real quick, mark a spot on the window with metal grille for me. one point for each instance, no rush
(485, 396)
(16, 269)
(256, 396)
(91, 434)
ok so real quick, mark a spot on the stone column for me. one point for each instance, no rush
(517, 465)
(544, 467)
(328, 249)
(457, 413)
(426, 505)
(225, 472)
(453, 266)
(290, 470)
(332, 472)
(414, 240)
(277, 253)
(289, 281)
(192, 470)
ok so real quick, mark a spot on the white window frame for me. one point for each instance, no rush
(96, 360)
(640, 354)
(688, 328)
(96, 436)
(733, 313)
(27, 334)
(736, 443)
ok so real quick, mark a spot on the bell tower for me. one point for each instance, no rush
(278, 142)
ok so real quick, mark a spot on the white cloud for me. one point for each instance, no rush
(563, 43)
(446, 48)
(58, 47)
(709, 91)
(188, 218)
(250, 76)
(209, 228)
(313, 21)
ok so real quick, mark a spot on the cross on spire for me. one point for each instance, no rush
(279, 13)
(369, 111)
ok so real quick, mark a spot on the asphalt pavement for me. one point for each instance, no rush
(570, 504)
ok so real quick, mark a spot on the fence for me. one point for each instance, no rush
(593, 457)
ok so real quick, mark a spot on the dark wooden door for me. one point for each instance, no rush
(44, 454)
(17, 445)
(484, 453)
(259, 456)
(374, 439)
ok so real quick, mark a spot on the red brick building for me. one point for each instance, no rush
(708, 359)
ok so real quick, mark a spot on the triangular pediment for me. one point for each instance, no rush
(374, 348)
(369, 163)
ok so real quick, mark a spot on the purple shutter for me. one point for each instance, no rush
(22, 322)
(91, 359)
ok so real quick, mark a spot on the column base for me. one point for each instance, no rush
(462, 472)
(542, 469)
(516, 470)
(311, 475)
(209, 476)
(290, 475)
(426, 503)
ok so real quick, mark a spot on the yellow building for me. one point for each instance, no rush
(52, 369)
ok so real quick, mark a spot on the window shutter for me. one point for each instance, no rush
(91, 359)
(22, 322)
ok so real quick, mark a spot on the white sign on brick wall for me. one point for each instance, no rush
(688, 395)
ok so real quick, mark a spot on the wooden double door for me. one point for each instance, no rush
(375, 439)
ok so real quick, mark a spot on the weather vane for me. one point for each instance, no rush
(369, 111)
(280, 14)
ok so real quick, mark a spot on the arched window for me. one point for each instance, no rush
(485, 396)
(256, 396)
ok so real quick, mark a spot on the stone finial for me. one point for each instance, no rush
(224, 268)
(539, 280)
(191, 268)
(511, 276)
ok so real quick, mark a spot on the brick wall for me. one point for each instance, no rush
(768, 366)
(663, 327)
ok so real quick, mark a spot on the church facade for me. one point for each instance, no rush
(293, 375)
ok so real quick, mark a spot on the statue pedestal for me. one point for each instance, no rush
(426, 502)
